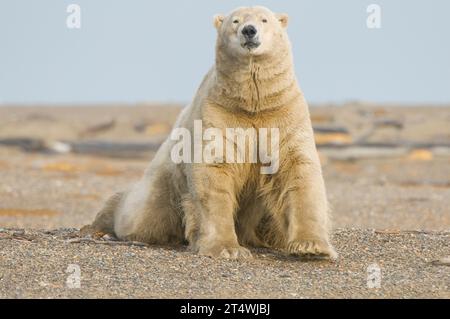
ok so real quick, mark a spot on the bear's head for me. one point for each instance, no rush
(253, 31)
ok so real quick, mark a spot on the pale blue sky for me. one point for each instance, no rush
(143, 50)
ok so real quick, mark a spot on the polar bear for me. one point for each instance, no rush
(222, 208)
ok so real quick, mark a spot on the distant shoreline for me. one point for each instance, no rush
(180, 105)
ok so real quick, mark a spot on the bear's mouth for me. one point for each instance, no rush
(251, 45)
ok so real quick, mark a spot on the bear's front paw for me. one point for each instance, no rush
(226, 252)
(312, 248)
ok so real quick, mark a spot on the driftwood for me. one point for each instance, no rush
(330, 130)
(417, 232)
(98, 148)
(393, 145)
(25, 144)
(389, 123)
(142, 149)
(19, 235)
(114, 149)
(106, 242)
(441, 262)
(98, 128)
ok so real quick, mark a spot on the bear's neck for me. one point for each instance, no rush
(255, 83)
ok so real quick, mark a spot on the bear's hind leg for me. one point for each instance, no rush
(149, 213)
(104, 221)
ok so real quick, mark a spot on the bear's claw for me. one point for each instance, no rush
(227, 253)
(312, 248)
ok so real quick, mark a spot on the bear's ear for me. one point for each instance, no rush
(218, 20)
(283, 18)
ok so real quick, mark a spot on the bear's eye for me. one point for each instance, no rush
(264, 20)
(236, 21)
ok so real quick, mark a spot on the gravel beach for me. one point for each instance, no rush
(34, 264)
(391, 212)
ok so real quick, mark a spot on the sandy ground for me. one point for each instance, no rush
(396, 193)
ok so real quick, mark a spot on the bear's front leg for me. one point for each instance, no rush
(214, 192)
(306, 210)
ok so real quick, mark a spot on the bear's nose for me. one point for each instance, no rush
(249, 31)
